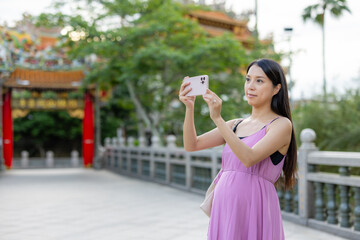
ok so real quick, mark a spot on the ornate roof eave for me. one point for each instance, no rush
(217, 17)
(42, 79)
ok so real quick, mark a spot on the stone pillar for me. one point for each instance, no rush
(114, 146)
(49, 162)
(171, 141)
(114, 142)
(170, 147)
(306, 191)
(75, 158)
(24, 159)
(131, 141)
(121, 141)
(142, 141)
(130, 145)
(155, 141)
(108, 151)
(107, 142)
(119, 132)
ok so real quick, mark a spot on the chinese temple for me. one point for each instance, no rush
(36, 75)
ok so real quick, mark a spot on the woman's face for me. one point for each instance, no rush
(259, 89)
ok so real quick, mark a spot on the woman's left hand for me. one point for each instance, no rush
(214, 103)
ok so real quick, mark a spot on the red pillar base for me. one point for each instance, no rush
(88, 165)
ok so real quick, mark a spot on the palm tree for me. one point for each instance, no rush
(316, 13)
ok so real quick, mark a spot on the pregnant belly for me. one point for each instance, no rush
(242, 187)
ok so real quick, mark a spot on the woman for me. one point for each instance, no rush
(257, 149)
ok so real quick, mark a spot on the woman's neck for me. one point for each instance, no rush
(262, 114)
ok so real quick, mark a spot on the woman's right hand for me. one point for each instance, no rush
(189, 101)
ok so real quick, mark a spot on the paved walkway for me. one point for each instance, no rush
(83, 204)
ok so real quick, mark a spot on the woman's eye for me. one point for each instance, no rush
(259, 80)
(247, 79)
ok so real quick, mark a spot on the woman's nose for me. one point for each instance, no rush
(251, 84)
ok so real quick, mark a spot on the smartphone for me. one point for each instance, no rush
(199, 84)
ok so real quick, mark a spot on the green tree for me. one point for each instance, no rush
(336, 125)
(40, 131)
(316, 13)
(149, 53)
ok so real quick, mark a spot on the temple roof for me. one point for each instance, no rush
(39, 79)
(217, 17)
(216, 23)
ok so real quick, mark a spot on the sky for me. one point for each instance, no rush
(342, 51)
(342, 40)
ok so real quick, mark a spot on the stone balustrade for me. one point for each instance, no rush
(325, 201)
(50, 161)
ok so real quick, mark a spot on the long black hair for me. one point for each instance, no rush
(280, 104)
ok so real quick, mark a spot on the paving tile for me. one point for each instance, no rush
(84, 204)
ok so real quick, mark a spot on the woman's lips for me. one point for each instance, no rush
(251, 95)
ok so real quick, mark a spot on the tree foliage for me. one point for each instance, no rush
(150, 52)
(43, 131)
(144, 49)
(336, 126)
(316, 12)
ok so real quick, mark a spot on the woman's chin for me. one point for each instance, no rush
(252, 102)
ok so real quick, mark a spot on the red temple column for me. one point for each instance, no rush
(7, 130)
(88, 131)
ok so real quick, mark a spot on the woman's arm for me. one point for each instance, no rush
(210, 139)
(191, 141)
(277, 136)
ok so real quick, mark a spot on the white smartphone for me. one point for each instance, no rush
(199, 84)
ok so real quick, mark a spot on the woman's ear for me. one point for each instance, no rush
(277, 89)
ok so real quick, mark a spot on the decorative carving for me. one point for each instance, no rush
(19, 113)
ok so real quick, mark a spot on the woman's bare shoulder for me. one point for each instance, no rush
(282, 123)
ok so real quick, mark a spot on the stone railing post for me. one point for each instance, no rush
(306, 191)
(171, 141)
(75, 158)
(24, 159)
(214, 170)
(142, 141)
(108, 153)
(114, 142)
(188, 170)
(155, 142)
(121, 141)
(131, 141)
(107, 142)
(130, 145)
(170, 146)
(141, 145)
(49, 162)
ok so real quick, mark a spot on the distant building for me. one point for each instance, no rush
(217, 23)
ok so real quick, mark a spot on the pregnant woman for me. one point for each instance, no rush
(258, 149)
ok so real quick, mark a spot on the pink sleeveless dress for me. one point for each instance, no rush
(245, 204)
